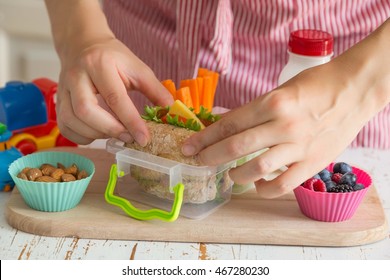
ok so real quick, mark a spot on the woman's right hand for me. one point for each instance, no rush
(97, 70)
(105, 69)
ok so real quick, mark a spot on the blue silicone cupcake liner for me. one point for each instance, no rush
(47, 196)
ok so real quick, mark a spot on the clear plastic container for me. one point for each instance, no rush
(306, 48)
(150, 179)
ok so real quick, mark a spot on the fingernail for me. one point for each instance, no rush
(126, 137)
(188, 150)
(141, 139)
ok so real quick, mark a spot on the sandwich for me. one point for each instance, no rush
(169, 128)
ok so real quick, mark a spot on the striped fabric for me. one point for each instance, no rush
(244, 40)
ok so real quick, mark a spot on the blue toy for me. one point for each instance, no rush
(22, 105)
(28, 111)
(7, 156)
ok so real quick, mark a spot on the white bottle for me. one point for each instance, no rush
(306, 48)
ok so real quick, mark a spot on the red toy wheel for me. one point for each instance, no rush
(26, 147)
(62, 141)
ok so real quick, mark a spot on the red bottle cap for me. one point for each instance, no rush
(311, 42)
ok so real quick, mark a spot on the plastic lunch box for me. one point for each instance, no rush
(166, 187)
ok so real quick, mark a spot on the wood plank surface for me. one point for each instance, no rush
(246, 219)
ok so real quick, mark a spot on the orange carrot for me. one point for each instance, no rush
(208, 93)
(200, 89)
(183, 94)
(209, 87)
(215, 77)
(170, 86)
(203, 72)
(193, 85)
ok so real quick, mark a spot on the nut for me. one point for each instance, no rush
(82, 174)
(24, 170)
(47, 169)
(57, 173)
(33, 173)
(45, 179)
(22, 175)
(73, 169)
(67, 178)
(49, 173)
(61, 166)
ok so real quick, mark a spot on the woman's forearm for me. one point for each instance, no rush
(366, 68)
(76, 23)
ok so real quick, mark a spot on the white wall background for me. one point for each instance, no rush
(26, 47)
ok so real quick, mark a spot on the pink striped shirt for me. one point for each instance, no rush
(244, 40)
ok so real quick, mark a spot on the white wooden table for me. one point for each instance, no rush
(15, 244)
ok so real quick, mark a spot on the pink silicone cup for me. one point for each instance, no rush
(332, 207)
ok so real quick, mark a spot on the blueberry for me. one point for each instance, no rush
(325, 175)
(329, 185)
(342, 167)
(317, 176)
(358, 187)
(348, 178)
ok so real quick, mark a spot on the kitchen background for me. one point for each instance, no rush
(26, 47)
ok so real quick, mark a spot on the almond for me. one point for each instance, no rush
(24, 170)
(73, 169)
(43, 165)
(45, 179)
(33, 173)
(82, 174)
(47, 169)
(57, 173)
(22, 176)
(61, 166)
(67, 178)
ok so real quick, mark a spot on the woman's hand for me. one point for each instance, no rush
(106, 70)
(306, 123)
(97, 70)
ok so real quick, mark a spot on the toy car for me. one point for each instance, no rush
(28, 110)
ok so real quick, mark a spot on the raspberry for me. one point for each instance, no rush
(342, 167)
(341, 188)
(315, 184)
(336, 177)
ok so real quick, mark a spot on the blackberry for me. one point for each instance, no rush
(342, 167)
(341, 188)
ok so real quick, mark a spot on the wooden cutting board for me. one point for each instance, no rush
(245, 219)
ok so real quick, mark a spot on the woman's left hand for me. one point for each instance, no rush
(306, 123)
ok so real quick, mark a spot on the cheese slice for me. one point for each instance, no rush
(178, 108)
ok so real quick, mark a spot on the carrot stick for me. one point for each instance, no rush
(208, 93)
(215, 77)
(199, 80)
(203, 72)
(193, 85)
(183, 94)
(207, 98)
(170, 86)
